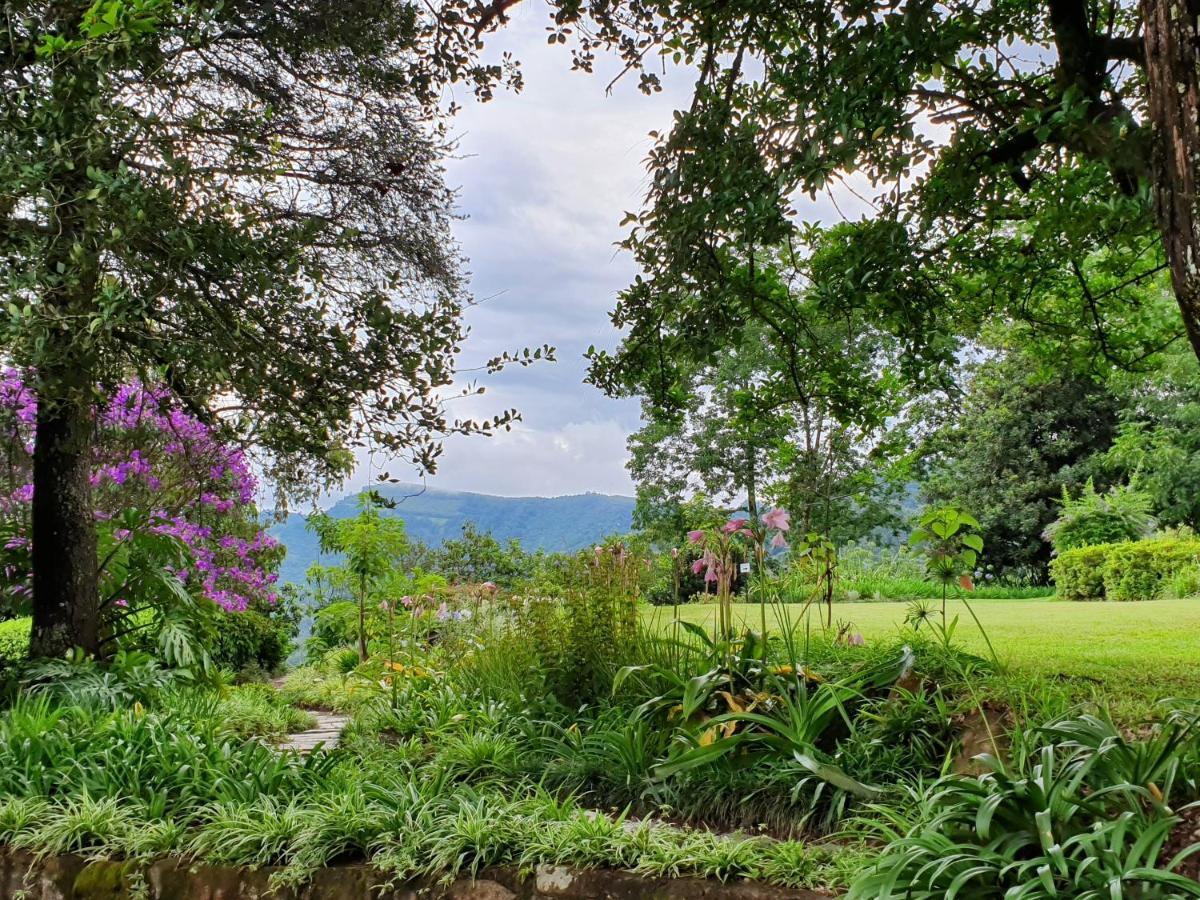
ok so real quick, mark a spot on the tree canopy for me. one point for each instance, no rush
(1029, 162)
(242, 201)
(1019, 437)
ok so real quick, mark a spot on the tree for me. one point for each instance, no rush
(1035, 161)
(1157, 445)
(177, 533)
(371, 546)
(722, 438)
(242, 201)
(477, 557)
(1019, 438)
(809, 423)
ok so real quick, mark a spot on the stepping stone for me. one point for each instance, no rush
(327, 733)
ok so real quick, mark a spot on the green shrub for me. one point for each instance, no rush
(259, 638)
(1185, 582)
(1129, 570)
(1134, 571)
(1121, 514)
(1079, 574)
(334, 626)
(14, 641)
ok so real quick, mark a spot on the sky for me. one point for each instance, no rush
(543, 179)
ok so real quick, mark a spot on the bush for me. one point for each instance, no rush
(1129, 570)
(1121, 514)
(1069, 818)
(14, 641)
(259, 638)
(1079, 574)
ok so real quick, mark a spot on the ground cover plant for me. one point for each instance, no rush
(583, 726)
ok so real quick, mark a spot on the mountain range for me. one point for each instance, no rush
(433, 515)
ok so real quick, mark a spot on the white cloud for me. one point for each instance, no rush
(545, 177)
(571, 459)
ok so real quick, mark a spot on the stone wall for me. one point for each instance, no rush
(24, 877)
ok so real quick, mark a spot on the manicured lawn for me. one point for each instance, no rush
(1131, 654)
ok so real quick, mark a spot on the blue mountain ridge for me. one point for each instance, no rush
(433, 515)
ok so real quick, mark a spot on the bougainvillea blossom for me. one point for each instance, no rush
(153, 456)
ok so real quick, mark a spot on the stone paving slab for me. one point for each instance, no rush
(327, 733)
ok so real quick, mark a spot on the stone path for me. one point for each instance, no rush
(328, 732)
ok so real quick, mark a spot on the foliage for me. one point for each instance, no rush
(1129, 570)
(949, 539)
(869, 571)
(582, 638)
(247, 210)
(478, 557)
(371, 546)
(761, 424)
(742, 707)
(14, 642)
(1019, 437)
(1157, 447)
(178, 536)
(963, 140)
(1085, 813)
(1120, 514)
(257, 640)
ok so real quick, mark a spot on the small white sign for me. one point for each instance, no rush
(744, 568)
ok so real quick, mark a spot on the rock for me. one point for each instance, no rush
(73, 878)
(986, 732)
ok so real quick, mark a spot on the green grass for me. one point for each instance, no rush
(1127, 655)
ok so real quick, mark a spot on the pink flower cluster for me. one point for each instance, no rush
(153, 456)
(711, 562)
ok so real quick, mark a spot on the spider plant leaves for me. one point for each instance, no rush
(697, 756)
(830, 773)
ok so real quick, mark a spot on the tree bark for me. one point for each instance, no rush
(66, 607)
(1171, 31)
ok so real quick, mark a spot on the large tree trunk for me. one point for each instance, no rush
(66, 608)
(1171, 30)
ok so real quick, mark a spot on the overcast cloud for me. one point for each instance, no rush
(544, 178)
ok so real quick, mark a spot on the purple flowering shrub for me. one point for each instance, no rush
(173, 505)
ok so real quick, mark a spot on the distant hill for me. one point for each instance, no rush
(433, 515)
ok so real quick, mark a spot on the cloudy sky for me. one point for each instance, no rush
(544, 177)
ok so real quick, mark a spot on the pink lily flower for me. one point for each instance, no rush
(735, 526)
(779, 519)
(696, 537)
(698, 566)
(779, 542)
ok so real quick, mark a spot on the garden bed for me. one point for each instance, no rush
(72, 877)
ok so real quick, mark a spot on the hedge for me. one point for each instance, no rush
(1127, 570)
(14, 641)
